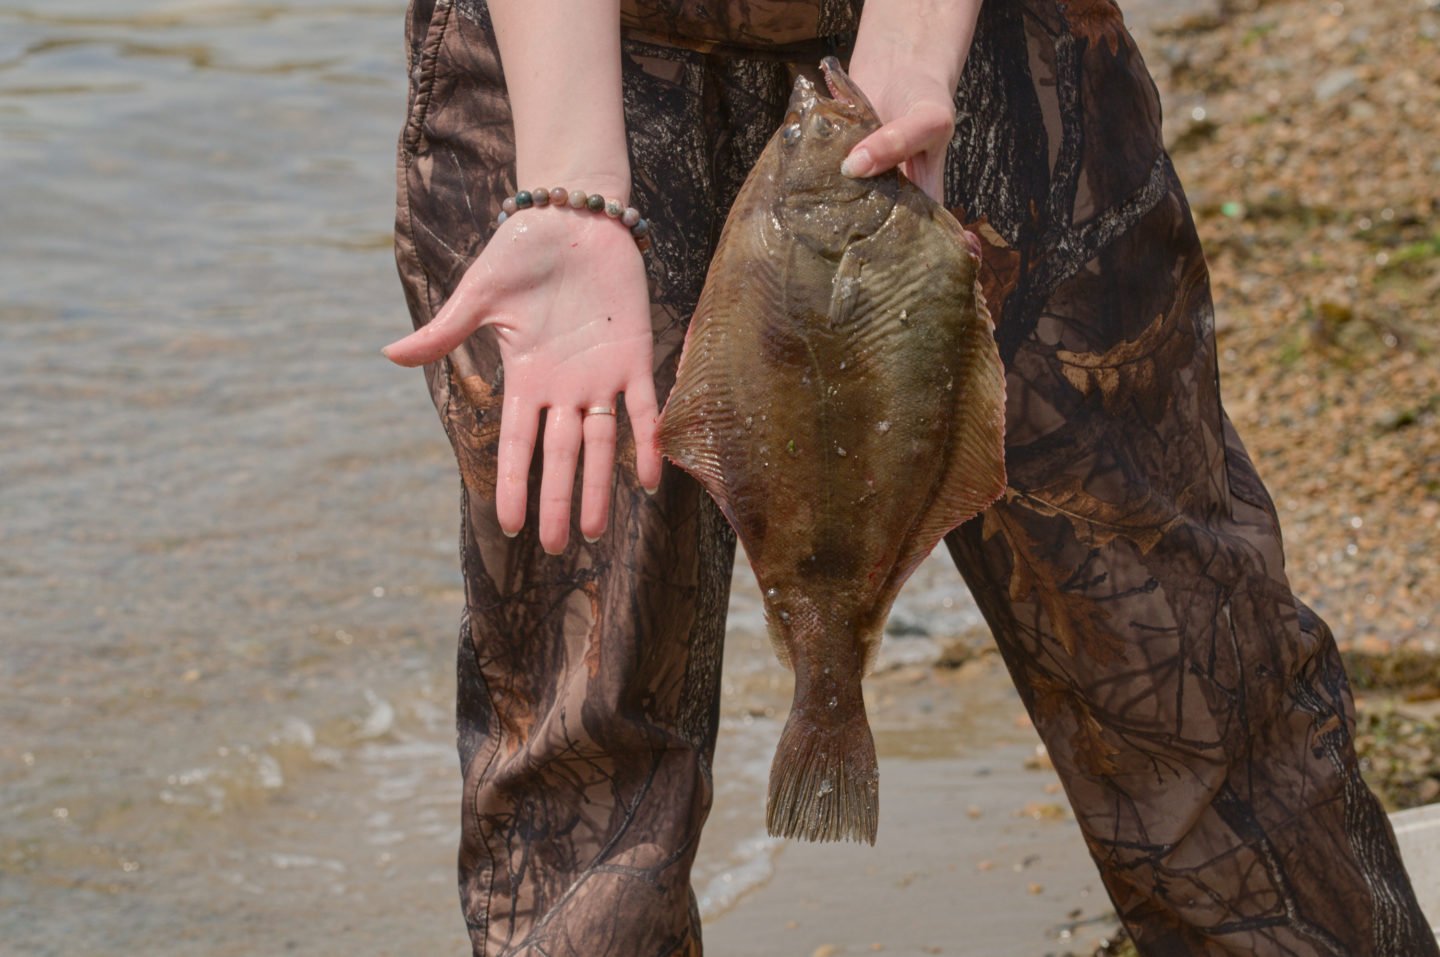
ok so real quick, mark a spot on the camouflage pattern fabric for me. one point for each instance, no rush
(739, 25)
(1132, 574)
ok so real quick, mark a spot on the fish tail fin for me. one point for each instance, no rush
(824, 784)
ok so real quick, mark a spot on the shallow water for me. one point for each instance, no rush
(228, 527)
(228, 583)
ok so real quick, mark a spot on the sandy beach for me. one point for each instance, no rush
(977, 853)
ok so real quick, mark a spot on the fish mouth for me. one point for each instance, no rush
(842, 89)
(838, 81)
(843, 92)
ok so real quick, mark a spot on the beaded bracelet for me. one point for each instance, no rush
(629, 216)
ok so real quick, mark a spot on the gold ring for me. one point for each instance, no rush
(600, 410)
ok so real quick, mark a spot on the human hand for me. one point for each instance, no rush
(908, 58)
(567, 297)
(918, 116)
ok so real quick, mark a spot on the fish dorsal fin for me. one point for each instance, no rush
(971, 472)
(974, 469)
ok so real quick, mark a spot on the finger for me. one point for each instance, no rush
(976, 249)
(599, 431)
(926, 172)
(557, 484)
(925, 126)
(644, 421)
(460, 316)
(519, 421)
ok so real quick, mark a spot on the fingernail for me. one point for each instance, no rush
(510, 534)
(592, 541)
(651, 491)
(857, 164)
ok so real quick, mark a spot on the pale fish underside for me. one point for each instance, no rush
(841, 398)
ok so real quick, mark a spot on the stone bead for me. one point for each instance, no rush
(640, 229)
(540, 197)
(501, 218)
(558, 196)
(613, 209)
(595, 203)
(631, 216)
(509, 205)
(524, 200)
(577, 199)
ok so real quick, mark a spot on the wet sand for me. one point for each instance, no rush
(976, 852)
(961, 867)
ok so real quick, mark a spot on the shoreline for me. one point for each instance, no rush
(974, 835)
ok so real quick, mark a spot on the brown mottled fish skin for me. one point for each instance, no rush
(841, 398)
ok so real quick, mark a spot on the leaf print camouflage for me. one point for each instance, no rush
(738, 24)
(1132, 573)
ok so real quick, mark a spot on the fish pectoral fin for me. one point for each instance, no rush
(846, 287)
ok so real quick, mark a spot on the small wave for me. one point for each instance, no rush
(244, 777)
(754, 866)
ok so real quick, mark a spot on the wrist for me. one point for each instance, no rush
(612, 181)
(879, 72)
(563, 74)
(915, 39)
(560, 198)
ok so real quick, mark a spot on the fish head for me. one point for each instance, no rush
(818, 133)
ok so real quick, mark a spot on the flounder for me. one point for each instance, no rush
(841, 397)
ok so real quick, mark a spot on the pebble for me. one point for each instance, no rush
(1324, 289)
(1335, 83)
(1042, 811)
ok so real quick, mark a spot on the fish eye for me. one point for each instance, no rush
(791, 136)
(823, 126)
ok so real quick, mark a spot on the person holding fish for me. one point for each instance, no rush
(556, 220)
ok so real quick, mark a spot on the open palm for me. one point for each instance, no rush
(566, 295)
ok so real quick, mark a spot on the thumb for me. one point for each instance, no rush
(461, 315)
(923, 127)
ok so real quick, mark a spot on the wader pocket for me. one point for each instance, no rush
(422, 76)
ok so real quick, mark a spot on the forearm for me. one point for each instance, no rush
(562, 72)
(931, 37)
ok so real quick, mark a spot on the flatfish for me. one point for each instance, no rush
(841, 398)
